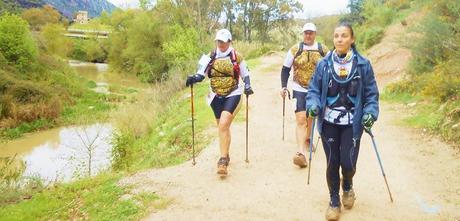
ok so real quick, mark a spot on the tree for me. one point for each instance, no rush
(16, 43)
(356, 8)
(274, 14)
(145, 4)
(38, 17)
(56, 43)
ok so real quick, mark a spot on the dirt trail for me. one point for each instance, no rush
(423, 173)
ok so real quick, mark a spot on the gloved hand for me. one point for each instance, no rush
(368, 121)
(192, 79)
(248, 90)
(313, 111)
(247, 86)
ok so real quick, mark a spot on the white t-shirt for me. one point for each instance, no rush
(289, 60)
(243, 72)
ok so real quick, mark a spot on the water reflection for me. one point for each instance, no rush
(63, 154)
(100, 73)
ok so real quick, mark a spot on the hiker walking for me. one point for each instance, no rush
(303, 57)
(343, 95)
(224, 66)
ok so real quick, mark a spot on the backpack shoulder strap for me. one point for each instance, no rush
(212, 55)
(299, 52)
(236, 66)
(233, 56)
(320, 49)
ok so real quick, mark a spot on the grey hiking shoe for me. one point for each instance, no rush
(300, 160)
(333, 213)
(348, 199)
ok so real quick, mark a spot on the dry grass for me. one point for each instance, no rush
(136, 118)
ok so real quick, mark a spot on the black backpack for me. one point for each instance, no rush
(299, 52)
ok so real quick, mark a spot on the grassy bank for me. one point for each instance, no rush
(98, 198)
(164, 139)
(428, 115)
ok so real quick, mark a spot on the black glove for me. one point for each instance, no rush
(247, 86)
(368, 121)
(248, 90)
(192, 79)
(313, 111)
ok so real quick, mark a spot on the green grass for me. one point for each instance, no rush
(26, 127)
(425, 113)
(418, 113)
(254, 62)
(91, 107)
(404, 98)
(97, 198)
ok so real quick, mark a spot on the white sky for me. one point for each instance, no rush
(312, 8)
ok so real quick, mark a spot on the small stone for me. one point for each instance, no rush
(412, 104)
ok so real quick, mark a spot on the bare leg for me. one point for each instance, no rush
(301, 131)
(224, 123)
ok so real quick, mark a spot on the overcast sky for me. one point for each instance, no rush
(312, 8)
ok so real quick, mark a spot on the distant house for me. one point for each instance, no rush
(81, 17)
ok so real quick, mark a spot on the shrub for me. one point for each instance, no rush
(372, 36)
(16, 42)
(182, 47)
(54, 40)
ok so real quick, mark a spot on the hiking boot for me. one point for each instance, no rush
(333, 213)
(300, 160)
(348, 199)
(222, 165)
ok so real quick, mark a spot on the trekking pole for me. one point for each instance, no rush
(380, 162)
(316, 146)
(284, 108)
(247, 122)
(311, 149)
(193, 125)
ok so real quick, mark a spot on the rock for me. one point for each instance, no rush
(412, 104)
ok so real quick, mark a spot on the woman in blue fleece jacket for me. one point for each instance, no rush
(343, 95)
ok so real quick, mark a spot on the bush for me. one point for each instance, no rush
(55, 42)
(444, 82)
(16, 42)
(372, 36)
(436, 33)
(90, 50)
(181, 48)
(38, 17)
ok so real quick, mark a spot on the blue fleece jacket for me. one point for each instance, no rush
(367, 98)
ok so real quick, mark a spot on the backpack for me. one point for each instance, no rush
(299, 52)
(236, 66)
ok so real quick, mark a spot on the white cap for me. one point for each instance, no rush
(223, 35)
(309, 27)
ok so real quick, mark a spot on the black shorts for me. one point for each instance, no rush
(301, 99)
(220, 104)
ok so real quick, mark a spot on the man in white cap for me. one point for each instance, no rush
(225, 67)
(303, 57)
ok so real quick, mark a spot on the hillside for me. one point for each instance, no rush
(65, 7)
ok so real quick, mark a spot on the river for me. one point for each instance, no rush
(62, 154)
